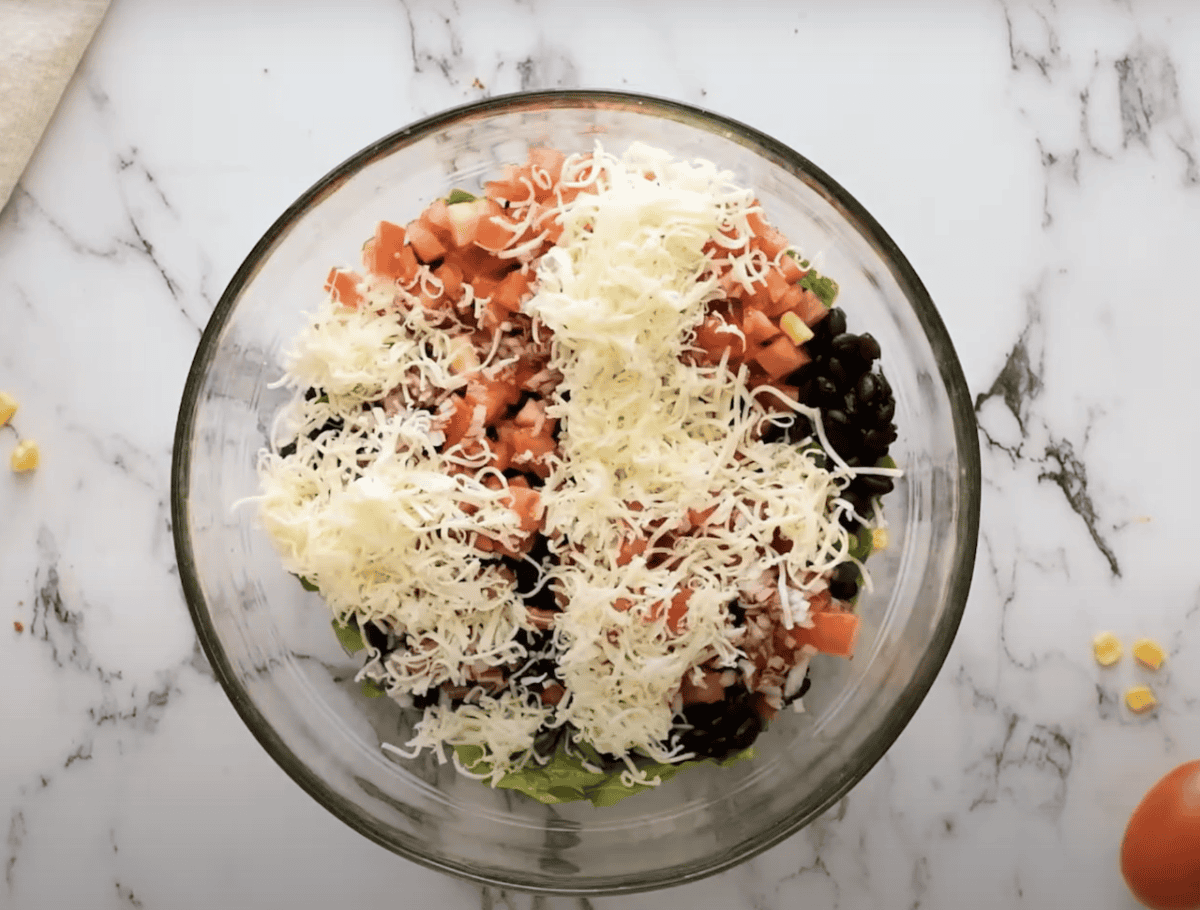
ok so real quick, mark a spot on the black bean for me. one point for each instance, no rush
(774, 433)
(885, 410)
(800, 429)
(533, 640)
(805, 685)
(288, 450)
(835, 321)
(844, 574)
(845, 343)
(837, 419)
(837, 372)
(875, 484)
(850, 405)
(875, 443)
(374, 636)
(867, 387)
(826, 390)
(737, 613)
(801, 375)
(722, 728)
(856, 500)
(424, 699)
(746, 733)
(332, 425)
(546, 742)
(868, 347)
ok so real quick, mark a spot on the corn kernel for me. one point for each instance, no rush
(8, 407)
(795, 329)
(25, 456)
(465, 359)
(1140, 699)
(1107, 649)
(879, 539)
(1149, 653)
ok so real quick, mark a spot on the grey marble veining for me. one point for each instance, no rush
(1038, 163)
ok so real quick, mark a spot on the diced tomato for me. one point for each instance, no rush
(548, 160)
(526, 369)
(777, 285)
(631, 547)
(552, 694)
(512, 188)
(529, 451)
(809, 308)
(699, 517)
(436, 217)
(494, 394)
(552, 225)
(791, 269)
(757, 327)
(756, 222)
(466, 217)
(788, 301)
(833, 632)
(476, 264)
(343, 284)
(714, 337)
(452, 282)
(675, 612)
(763, 707)
(384, 250)
(822, 600)
(495, 232)
(460, 420)
(708, 691)
(494, 315)
(527, 504)
(781, 357)
(512, 290)
(770, 242)
(425, 243)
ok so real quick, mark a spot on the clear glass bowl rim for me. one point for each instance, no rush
(950, 371)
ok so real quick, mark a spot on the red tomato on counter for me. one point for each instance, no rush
(1160, 855)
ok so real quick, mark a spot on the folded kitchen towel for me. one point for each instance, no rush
(41, 42)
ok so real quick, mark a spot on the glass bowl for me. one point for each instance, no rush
(270, 642)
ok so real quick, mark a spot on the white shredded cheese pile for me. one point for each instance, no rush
(654, 448)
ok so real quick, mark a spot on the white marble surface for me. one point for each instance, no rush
(1038, 162)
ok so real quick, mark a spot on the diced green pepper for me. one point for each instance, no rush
(826, 289)
(371, 689)
(457, 196)
(349, 635)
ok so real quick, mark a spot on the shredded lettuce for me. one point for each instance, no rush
(564, 778)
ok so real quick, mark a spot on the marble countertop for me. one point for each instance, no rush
(1039, 164)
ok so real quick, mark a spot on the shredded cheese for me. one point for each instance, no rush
(373, 509)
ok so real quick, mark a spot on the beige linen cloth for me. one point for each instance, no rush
(41, 42)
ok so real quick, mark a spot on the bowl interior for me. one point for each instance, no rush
(271, 644)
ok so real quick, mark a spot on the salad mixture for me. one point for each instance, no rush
(588, 466)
